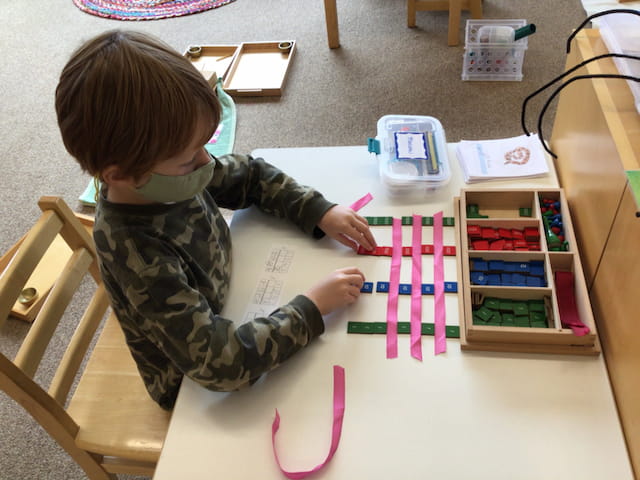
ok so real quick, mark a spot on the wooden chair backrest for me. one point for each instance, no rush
(16, 377)
(56, 219)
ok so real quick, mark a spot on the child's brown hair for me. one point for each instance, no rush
(127, 99)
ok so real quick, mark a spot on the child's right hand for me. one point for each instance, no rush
(339, 289)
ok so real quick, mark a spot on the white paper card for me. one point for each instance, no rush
(411, 145)
(514, 157)
(266, 296)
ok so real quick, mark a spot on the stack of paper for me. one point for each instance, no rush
(502, 158)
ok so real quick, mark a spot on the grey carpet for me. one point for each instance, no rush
(332, 97)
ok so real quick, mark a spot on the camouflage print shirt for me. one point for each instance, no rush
(166, 268)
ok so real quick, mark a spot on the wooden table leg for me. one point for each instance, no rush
(411, 13)
(331, 17)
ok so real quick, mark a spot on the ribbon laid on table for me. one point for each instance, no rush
(394, 283)
(338, 416)
(438, 286)
(358, 204)
(416, 288)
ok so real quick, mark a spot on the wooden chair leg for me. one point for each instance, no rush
(475, 6)
(455, 8)
(331, 18)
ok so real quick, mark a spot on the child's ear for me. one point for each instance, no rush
(112, 175)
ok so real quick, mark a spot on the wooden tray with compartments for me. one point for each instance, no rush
(517, 251)
(247, 69)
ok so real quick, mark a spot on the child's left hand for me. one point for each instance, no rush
(347, 227)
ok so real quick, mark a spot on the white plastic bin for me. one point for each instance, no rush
(488, 61)
(412, 154)
(621, 34)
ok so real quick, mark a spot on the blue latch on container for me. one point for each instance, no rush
(373, 145)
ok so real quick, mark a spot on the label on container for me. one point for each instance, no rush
(411, 146)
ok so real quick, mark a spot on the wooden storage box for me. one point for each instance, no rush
(247, 69)
(510, 299)
(213, 61)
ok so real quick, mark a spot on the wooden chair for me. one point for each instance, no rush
(109, 425)
(453, 6)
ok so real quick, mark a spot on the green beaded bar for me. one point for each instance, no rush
(451, 331)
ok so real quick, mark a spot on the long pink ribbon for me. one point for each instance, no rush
(338, 416)
(358, 204)
(438, 287)
(394, 283)
(416, 288)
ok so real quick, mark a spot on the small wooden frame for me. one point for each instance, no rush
(45, 274)
(248, 69)
(213, 61)
(503, 210)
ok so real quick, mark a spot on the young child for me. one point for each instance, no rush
(136, 114)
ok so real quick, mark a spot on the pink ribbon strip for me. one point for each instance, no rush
(358, 204)
(438, 287)
(394, 283)
(416, 288)
(338, 416)
(569, 316)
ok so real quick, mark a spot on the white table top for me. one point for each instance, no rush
(452, 416)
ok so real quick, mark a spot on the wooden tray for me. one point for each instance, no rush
(213, 61)
(45, 273)
(248, 69)
(259, 69)
(503, 210)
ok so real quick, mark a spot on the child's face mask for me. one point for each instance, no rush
(169, 188)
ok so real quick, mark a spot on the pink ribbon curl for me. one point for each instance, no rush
(338, 416)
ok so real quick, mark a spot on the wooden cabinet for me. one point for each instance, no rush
(596, 136)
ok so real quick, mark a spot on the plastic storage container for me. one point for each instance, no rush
(412, 154)
(485, 59)
(621, 34)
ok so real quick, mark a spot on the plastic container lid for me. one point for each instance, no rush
(621, 34)
(412, 153)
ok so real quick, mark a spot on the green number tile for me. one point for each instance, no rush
(520, 308)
